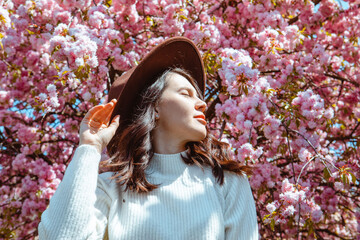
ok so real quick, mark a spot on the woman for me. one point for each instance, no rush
(168, 177)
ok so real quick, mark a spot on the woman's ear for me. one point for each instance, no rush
(156, 107)
(156, 112)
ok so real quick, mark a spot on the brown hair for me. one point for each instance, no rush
(130, 149)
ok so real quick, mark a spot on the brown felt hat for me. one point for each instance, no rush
(173, 52)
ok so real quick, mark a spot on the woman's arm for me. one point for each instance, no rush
(240, 213)
(80, 205)
(72, 213)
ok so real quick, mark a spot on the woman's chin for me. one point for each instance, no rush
(199, 135)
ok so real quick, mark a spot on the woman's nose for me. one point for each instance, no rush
(201, 105)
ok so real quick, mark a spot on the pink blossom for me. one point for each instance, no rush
(26, 134)
(329, 113)
(304, 155)
(5, 19)
(247, 152)
(51, 88)
(327, 7)
(271, 207)
(289, 211)
(87, 96)
(316, 215)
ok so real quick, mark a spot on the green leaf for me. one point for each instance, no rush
(111, 59)
(245, 89)
(108, 3)
(80, 68)
(303, 30)
(272, 224)
(115, 41)
(93, 101)
(326, 174)
(288, 122)
(282, 148)
(72, 101)
(310, 227)
(38, 193)
(353, 178)
(344, 178)
(182, 17)
(1, 36)
(270, 90)
(30, 32)
(266, 217)
(224, 115)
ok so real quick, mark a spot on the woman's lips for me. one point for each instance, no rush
(201, 119)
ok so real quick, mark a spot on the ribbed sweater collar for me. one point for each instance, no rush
(168, 164)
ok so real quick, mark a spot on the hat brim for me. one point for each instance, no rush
(173, 52)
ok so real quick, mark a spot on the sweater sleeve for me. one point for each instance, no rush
(240, 213)
(80, 205)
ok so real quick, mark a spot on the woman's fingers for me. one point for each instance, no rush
(107, 120)
(114, 123)
(103, 116)
(92, 111)
(99, 116)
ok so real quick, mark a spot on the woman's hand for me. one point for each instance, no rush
(95, 129)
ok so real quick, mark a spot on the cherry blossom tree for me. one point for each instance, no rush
(283, 81)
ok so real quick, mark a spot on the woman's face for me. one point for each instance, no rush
(181, 111)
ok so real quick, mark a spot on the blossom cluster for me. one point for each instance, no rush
(282, 89)
(291, 201)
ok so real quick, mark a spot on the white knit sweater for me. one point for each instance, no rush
(189, 204)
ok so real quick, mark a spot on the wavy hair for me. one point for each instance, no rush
(130, 149)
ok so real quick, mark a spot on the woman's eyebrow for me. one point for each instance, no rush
(189, 89)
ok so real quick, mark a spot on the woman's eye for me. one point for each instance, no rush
(185, 93)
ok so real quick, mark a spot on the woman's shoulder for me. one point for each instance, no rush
(230, 176)
(235, 182)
